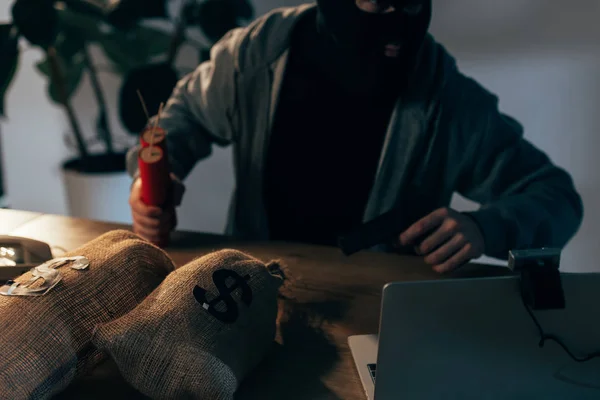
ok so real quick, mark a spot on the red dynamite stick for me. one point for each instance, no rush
(155, 179)
(154, 173)
(153, 136)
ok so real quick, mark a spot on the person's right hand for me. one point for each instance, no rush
(150, 222)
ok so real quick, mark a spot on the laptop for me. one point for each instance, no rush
(474, 339)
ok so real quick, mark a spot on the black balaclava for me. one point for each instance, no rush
(358, 40)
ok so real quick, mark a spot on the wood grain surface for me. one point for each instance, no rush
(330, 297)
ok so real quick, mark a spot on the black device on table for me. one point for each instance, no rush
(384, 229)
(378, 231)
(18, 255)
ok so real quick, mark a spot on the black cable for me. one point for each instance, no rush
(544, 337)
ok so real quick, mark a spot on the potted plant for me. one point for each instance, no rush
(65, 31)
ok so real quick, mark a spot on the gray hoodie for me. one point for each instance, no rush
(446, 135)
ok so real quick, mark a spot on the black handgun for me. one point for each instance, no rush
(381, 230)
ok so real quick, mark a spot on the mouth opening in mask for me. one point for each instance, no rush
(373, 28)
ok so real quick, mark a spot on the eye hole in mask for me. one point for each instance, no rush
(381, 6)
(413, 9)
(410, 8)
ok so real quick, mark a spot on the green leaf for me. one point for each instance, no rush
(127, 13)
(76, 29)
(135, 47)
(9, 54)
(36, 20)
(86, 26)
(69, 48)
(154, 41)
(215, 18)
(126, 49)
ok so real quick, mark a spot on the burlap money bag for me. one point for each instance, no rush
(46, 340)
(201, 331)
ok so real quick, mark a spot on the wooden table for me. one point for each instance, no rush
(335, 297)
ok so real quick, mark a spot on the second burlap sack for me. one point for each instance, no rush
(46, 340)
(201, 331)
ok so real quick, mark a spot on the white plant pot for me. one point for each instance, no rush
(98, 196)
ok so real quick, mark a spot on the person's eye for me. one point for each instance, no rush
(384, 5)
(413, 9)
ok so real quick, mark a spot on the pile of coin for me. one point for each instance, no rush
(44, 277)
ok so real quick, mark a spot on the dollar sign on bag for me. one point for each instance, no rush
(231, 312)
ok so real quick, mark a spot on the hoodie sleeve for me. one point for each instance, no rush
(526, 200)
(200, 112)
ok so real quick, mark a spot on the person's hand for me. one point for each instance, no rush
(446, 238)
(151, 223)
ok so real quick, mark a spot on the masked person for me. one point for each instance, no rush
(340, 111)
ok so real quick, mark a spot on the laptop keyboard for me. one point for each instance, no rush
(372, 370)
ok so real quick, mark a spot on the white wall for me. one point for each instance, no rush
(540, 56)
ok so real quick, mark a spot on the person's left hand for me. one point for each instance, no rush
(446, 238)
